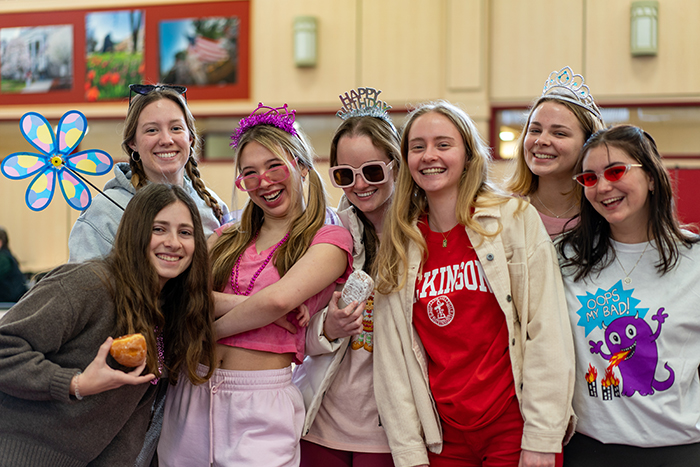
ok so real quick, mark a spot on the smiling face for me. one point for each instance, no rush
(277, 200)
(436, 155)
(553, 141)
(162, 141)
(172, 241)
(354, 151)
(624, 203)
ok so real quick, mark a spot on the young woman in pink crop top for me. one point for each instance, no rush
(279, 256)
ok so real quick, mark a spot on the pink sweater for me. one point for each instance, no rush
(272, 338)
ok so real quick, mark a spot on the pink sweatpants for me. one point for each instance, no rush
(238, 418)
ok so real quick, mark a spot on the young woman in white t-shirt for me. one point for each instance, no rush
(631, 274)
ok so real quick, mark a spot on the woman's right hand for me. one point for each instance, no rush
(99, 377)
(343, 322)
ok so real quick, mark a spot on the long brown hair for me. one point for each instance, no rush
(138, 175)
(586, 247)
(309, 220)
(183, 310)
(385, 137)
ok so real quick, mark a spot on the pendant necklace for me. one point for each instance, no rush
(550, 211)
(444, 237)
(234, 272)
(627, 280)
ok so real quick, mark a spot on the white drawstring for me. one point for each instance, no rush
(213, 389)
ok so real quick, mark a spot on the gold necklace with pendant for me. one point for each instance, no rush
(444, 237)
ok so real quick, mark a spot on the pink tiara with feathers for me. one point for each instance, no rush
(280, 117)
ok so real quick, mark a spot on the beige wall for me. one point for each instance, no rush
(477, 53)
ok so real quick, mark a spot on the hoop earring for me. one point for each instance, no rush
(137, 158)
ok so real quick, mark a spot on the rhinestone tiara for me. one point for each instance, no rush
(281, 117)
(580, 93)
(363, 103)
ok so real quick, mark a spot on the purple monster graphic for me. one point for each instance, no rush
(633, 336)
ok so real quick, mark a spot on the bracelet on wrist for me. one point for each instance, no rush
(326, 336)
(77, 390)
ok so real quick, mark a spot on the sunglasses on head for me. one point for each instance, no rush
(373, 173)
(611, 174)
(144, 89)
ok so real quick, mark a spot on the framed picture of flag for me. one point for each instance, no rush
(200, 52)
(206, 51)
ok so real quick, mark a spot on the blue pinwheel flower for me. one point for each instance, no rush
(56, 163)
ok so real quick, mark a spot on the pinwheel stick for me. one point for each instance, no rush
(88, 182)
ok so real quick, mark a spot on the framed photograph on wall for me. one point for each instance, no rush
(201, 52)
(79, 56)
(204, 48)
(114, 53)
(36, 59)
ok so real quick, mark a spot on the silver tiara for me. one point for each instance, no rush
(362, 103)
(580, 93)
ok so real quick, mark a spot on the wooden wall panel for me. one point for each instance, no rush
(275, 77)
(39, 240)
(465, 39)
(402, 49)
(619, 76)
(531, 39)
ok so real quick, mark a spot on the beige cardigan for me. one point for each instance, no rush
(521, 266)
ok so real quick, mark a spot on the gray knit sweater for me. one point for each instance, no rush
(54, 331)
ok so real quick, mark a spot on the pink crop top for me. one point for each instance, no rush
(272, 338)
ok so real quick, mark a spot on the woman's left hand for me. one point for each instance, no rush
(536, 459)
(99, 377)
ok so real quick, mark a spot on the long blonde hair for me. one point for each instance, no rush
(410, 201)
(308, 221)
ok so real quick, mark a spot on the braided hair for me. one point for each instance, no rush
(138, 175)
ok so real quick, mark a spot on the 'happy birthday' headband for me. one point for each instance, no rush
(363, 103)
